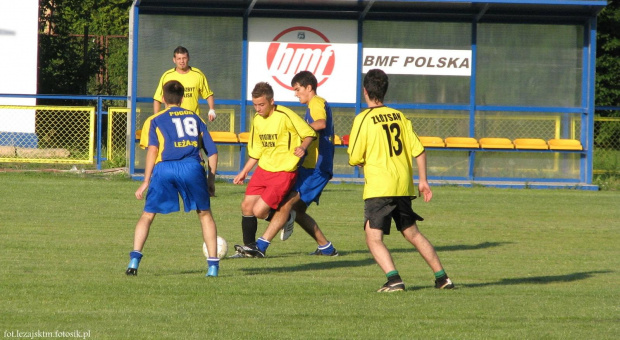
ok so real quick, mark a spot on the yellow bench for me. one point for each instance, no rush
(496, 143)
(224, 137)
(337, 140)
(565, 144)
(462, 142)
(432, 142)
(531, 144)
(244, 137)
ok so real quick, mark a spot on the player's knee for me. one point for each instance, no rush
(148, 216)
(260, 212)
(247, 207)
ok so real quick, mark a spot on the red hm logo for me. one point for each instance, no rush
(284, 60)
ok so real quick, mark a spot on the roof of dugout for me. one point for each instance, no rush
(454, 10)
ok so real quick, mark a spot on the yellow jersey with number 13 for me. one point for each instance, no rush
(382, 140)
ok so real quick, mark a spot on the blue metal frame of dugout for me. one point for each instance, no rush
(550, 12)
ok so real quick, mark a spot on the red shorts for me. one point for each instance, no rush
(271, 186)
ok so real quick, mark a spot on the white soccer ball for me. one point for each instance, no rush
(222, 248)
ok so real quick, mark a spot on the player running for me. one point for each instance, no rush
(317, 168)
(382, 140)
(278, 140)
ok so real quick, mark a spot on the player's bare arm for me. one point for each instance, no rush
(318, 125)
(423, 186)
(151, 155)
(249, 165)
(156, 106)
(211, 102)
(212, 161)
(300, 151)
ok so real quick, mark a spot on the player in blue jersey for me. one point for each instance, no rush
(173, 167)
(317, 167)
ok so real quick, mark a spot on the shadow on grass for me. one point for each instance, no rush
(325, 263)
(439, 249)
(538, 279)
(339, 262)
(322, 265)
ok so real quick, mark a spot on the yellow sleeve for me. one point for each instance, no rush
(416, 145)
(357, 142)
(303, 128)
(255, 147)
(144, 135)
(317, 109)
(159, 92)
(205, 91)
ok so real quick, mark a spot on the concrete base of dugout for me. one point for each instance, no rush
(493, 184)
(460, 183)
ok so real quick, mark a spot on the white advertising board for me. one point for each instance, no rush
(418, 61)
(18, 62)
(279, 48)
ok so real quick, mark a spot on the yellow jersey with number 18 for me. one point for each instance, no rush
(382, 140)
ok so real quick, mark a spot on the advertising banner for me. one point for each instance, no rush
(418, 61)
(280, 48)
(19, 27)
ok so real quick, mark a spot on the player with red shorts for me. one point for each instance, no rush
(278, 140)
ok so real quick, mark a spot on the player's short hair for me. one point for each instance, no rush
(376, 84)
(262, 89)
(180, 50)
(173, 92)
(305, 78)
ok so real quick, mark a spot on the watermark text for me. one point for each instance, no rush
(36, 334)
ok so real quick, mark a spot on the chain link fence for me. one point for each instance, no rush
(511, 125)
(66, 134)
(606, 145)
(57, 134)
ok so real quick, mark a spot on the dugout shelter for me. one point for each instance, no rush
(502, 91)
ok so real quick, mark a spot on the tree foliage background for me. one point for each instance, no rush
(64, 68)
(71, 64)
(608, 57)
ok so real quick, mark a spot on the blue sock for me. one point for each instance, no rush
(213, 261)
(262, 244)
(327, 249)
(134, 259)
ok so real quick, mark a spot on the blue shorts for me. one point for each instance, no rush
(310, 183)
(170, 179)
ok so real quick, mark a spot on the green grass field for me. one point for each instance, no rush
(528, 264)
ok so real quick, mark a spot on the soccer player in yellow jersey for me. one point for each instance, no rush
(193, 80)
(382, 140)
(278, 140)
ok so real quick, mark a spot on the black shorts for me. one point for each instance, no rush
(379, 211)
